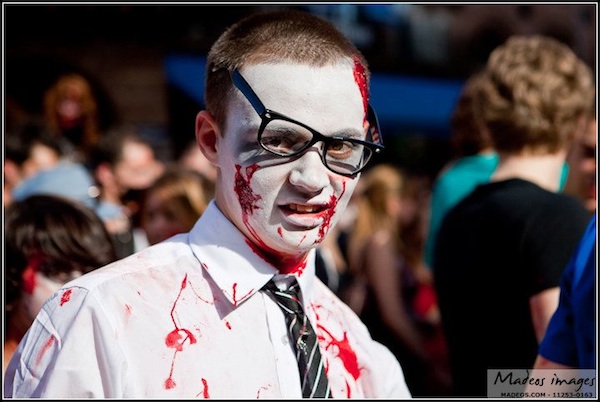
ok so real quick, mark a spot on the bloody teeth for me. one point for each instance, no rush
(302, 208)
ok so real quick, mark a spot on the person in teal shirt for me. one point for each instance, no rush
(455, 183)
(473, 163)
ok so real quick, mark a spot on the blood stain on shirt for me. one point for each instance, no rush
(47, 345)
(234, 294)
(260, 390)
(348, 390)
(66, 296)
(169, 383)
(345, 351)
(204, 392)
(177, 338)
(202, 298)
(127, 312)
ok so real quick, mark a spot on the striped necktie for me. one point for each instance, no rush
(312, 372)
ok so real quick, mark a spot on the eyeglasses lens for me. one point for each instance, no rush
(286, 138)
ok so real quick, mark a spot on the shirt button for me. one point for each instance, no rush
(284, 339)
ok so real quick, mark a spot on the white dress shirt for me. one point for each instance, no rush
(185, 319)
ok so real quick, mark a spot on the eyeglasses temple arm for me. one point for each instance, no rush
(245, 89)
(377, 138)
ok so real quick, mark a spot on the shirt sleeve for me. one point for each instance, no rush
(571, 327)
(70, 351)
(559, 342)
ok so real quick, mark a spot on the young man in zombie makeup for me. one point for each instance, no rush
(289, 127)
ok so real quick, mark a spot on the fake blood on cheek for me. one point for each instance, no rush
(247, 200)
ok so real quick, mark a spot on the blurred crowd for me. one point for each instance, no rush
(78, 196)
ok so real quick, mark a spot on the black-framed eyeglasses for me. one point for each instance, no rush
(286, 137)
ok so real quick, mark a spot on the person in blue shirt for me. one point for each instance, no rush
(570, 341)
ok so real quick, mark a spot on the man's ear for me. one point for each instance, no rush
(207, 132)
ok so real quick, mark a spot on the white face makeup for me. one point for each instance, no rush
(286, 206)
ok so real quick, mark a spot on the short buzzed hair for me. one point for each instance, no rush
(274, 37)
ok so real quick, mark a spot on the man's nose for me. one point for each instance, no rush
(309, 172)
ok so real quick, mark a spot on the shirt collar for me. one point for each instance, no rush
(226, 256)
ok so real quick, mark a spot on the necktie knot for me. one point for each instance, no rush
(289, 299)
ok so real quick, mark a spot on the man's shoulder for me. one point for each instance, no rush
(139, 278)
(162, 257)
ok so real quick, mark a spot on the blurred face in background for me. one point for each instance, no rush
(134, 173)
(163, 217)
(172, 204)
(41, 157)
(581, 181)
(69, 110)
(193, 158)
(138, 167)
(73, 101)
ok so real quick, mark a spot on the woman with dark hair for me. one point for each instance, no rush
(49, 240)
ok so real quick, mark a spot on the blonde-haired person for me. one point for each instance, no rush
(473, 161)
(172, 204)
(391, 302)
(500, 252)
